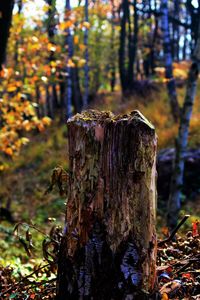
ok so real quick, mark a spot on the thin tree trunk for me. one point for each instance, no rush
(19, 39)
(176, 30)
(68, 90)
(37, 96)
(130, 59)
(122, 68)
(62, 89)
(133, 41)
(49, 107)
(51, 30)
(77, 97)
(97, 70)
(184, 45)
(171, 85)
(152, 53)
(6, 8)
(108, 250)
(86, 67)
(51, 21)
(182, 139)
(112, 46)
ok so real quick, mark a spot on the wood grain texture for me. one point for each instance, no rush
(110, 240)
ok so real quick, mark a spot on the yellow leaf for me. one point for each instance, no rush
(26, 125)
(70, 63)
(24, 140)
(45, 9)
(8, 151)
(2, 167)
(65, 25)
(81, 62)
(40, 127)
(86, 25)
(11, 88)
(82, 47)
(46, 121)
(35, 39)
(164, 296)
(76, 39)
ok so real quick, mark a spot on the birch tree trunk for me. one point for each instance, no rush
(182, 139)
(171, 85)
(108, 250)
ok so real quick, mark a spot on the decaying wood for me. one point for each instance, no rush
(109, 246)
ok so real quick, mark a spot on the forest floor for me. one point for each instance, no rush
(24, 183)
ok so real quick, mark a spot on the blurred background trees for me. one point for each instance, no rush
(97, 45)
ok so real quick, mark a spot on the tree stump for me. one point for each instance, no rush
(108, 250)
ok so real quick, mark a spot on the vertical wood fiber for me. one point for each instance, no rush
(109, 248)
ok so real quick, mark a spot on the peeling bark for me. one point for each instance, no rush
(108, 249)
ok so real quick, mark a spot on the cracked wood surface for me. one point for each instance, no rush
(109, 247)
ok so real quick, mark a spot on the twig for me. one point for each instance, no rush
(191, 261)
(24, 278)
(161, 243)
(35, 228)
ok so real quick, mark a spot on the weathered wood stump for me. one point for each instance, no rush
(109, 246)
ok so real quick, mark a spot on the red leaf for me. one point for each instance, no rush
(187, 275)
(195, 228)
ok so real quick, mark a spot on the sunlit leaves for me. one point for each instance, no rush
(18, 116)
(28, 65)
(65, 25)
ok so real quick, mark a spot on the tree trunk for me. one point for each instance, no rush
(49, 107)
(76, 96)
(37, 98)
(51, 20)
(133, 41)
(171, 85)
(108, 250)
(176, 30)
(182, 139)
(52, 31)
(69, 43)
(112, 52)
(6, 8)
(19, 39)
(122, 45)
(86, 66)
(153, 45)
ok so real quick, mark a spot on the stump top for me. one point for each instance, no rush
(94, 116)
